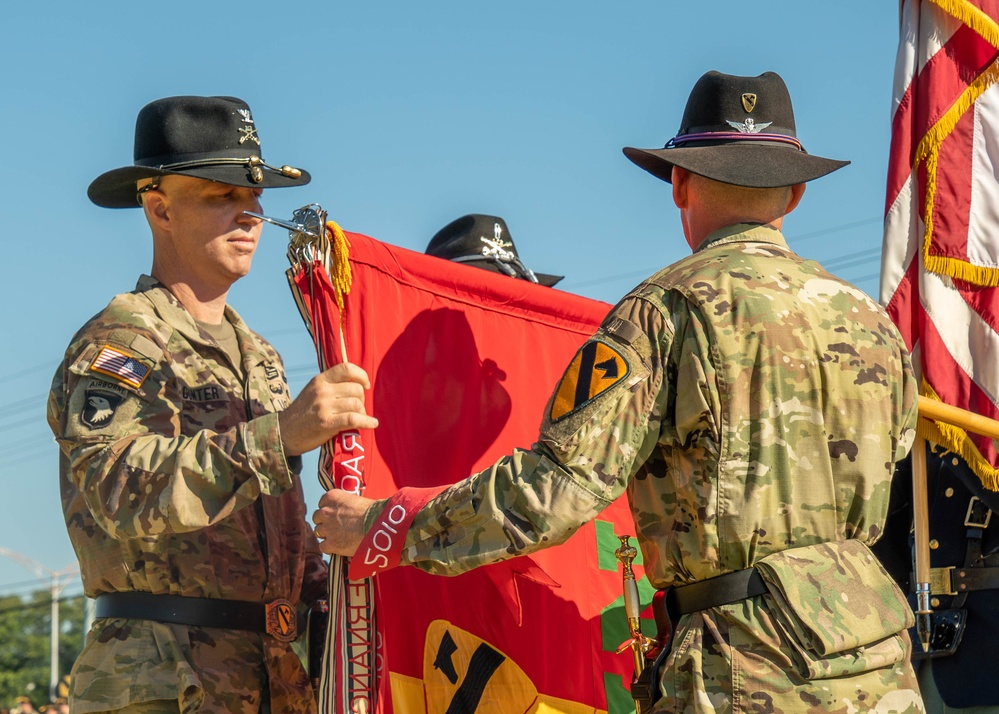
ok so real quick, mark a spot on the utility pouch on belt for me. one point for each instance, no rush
(837, 608)
(319, 615)
(946, 631)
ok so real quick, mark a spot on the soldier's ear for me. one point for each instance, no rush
(797, 191)
(680, 180)
(156, 205)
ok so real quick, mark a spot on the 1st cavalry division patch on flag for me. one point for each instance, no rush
(596, 368)
(120, 365)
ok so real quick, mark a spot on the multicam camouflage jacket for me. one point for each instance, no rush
(174, 481)
(752, 406)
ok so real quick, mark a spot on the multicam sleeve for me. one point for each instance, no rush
(600, 425)
(908, 404)
(139, 475)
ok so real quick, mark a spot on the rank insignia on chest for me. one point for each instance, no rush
(596, 368)
(275, 379)
(120, 365)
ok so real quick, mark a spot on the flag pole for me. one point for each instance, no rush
(969, 421)
(921, 532)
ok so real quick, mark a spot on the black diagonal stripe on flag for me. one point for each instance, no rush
(443, 661)
(485, 660)
(595, 369)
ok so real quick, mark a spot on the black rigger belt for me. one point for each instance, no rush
(277, 618)
(705, 594)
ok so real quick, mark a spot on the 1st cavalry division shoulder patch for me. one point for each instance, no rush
(596, 368)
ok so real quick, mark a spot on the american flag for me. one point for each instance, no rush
(120, 365)
(940, 259)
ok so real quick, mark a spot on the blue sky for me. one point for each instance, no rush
(408, 115)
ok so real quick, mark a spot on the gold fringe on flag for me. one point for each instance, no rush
(973, 17)
(928, 150)
(956, 439)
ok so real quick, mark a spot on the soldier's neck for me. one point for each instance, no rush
(204, 305)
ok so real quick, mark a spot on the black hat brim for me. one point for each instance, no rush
(548, 280)
(741, 164)
(116, 188)
(543, 278)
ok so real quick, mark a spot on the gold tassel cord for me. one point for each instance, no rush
(337, 261)
(339, 265)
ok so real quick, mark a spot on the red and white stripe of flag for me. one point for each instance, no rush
(940, 259)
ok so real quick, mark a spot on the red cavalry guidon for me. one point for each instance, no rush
(462, 363)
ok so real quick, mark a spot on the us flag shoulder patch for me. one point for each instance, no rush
(122, 366)
(596, 368)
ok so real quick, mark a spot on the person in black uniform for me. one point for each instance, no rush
(957, 674)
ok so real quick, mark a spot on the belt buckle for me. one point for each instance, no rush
(973, 518)
(281, 620)
(941, 581)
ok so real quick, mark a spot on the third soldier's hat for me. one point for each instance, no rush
(737, 130)
(484, 242)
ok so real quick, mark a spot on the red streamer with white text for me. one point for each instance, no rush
(349, 680)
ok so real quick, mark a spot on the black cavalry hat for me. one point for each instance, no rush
(737, 130)
(484, 242)
(211, 138)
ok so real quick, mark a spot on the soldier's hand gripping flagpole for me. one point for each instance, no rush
(319, 278)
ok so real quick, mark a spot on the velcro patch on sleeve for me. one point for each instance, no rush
(100, 402)
(120, 365)
(595, 369)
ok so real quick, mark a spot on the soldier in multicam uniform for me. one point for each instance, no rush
(180, 443)
(752, 407)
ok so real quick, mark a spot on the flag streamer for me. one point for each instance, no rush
(320, 279)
